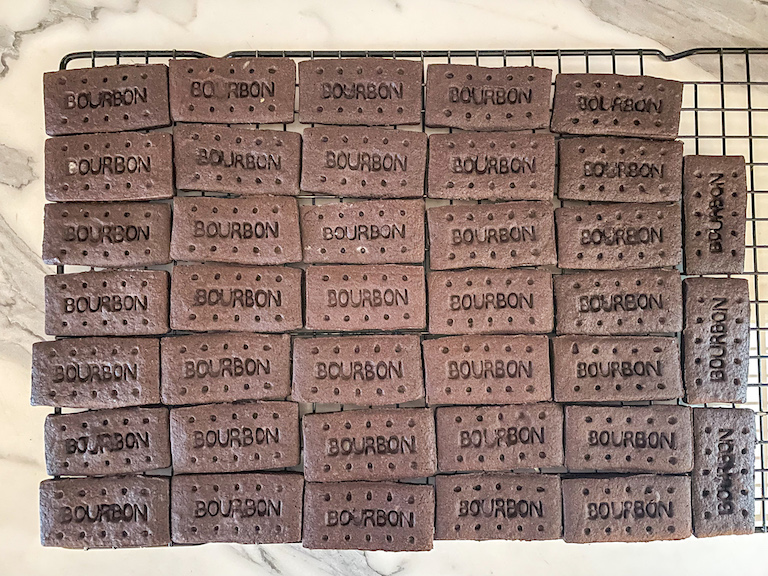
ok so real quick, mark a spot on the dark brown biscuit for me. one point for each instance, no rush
(369, 516)
(655, 439)
(723, 477)
(619, 302)
(640, 508)
(109, 235)
(364, 162)
(234, 437)
(106, 99)
(714, 211)
(498, 507)
(499, 438)
(480, 301)
(225, 367)
(107, 303)
(119, 512)
(491, 166)
(242, 508)
(360, 91)
(207, 297)
(616, 105)
(366, 370)
(716, 340)
(232, 90)
(261, 231)
(616, 369)
(374, 444)
(109, 167)
(374, 297)
(236, 159)
(96, 372)
(480, 98)
(609, 169)
(619, 236)
(372, 232)
(487, 369)
(105, 442)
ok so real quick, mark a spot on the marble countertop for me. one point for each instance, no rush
(35, 34)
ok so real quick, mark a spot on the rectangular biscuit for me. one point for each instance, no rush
(723, 477)
(616, 368)
(236, 160)
(481, 98)
(125, 234)
(615, 169)
(241, 508)
(107, 303)
(372, 444)
(106, 442)
(234, 437)
(226, 367)
(716, 339)
(117, 512)
(109, 167)
(502, 235)
(656, 439)
(498, 506)
(641, 508)
(491, 166)
(106, 99)
(232, 90)
(714, 214)
(260, 231)
(619, 302)
(360, 91)
(96, 372)
(369, 516)
(373, 297)
(208, 297)
(365, 370)
(370, 232)
(478, 301)
(499, 438)
(363, 162)
(487, 369)
(617, 105)
(619, 236)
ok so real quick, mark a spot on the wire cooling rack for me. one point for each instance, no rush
(725, 111)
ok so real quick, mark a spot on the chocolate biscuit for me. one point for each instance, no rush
(237, 437)
(491, 166)
(366, 370)
(617, 105)
(360, 91)
(716, 339)
(232, 90)
(373, 444)
(480, 98)
(714, 211)
(261, 231)
(619, 302)
(106, 99)
(109, 235)
(118, 512)
(363, 162)
(478, 301)
(487, 369)
(106, 442)
(203, 368)
(107, 303)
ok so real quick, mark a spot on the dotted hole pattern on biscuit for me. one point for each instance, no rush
(489, 77)
(340, 71)
(128, 303)
(622, 150)
(387, 231)
(699, 341)
(618, 215)
(704, 217)
(744, 472)
(635, 120)
(633, 351)
(365, 278)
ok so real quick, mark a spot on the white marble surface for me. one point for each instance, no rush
(34, 34)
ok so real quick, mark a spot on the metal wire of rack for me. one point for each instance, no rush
(725, 111)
